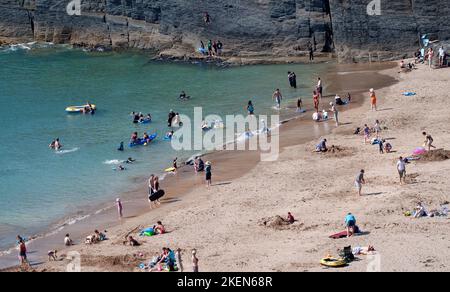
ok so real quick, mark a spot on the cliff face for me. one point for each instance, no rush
(392, 34)
(246, 27)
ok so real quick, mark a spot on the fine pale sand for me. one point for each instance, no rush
(225, 223)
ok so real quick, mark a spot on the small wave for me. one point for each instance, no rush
(67, 151)
(113, 162)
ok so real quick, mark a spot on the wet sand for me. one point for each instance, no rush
(227, 165)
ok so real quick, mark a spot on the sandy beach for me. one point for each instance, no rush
(226, 223)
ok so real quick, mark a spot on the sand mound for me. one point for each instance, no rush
(125, 262)
(339, 151)
(436, 155)
(276, 222)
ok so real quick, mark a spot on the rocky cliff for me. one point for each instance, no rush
(393, 33)
(246, 27)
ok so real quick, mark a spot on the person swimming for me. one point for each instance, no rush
(183, 96)
(56, 144)
(130, 160)
(169, 135)
(134, 138)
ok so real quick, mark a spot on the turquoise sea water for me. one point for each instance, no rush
(38, 186)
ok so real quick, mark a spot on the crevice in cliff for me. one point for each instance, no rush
(31, 19)
(330, 37)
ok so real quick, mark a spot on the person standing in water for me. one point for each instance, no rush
(319, 87)
(316, 101)
(208, 173)
(23, 252)
(119, 208)
(250, 108)
(277, 97)
(299, 105)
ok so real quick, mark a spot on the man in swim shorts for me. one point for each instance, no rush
(277, 97)
(401, 168)
(360, 181)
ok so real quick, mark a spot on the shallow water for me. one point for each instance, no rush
(39, 186)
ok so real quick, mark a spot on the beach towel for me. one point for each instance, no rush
(339, 235)
(419, 151)
(408, 93)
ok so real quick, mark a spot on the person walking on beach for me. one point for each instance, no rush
(441, 56)
(401, 168)
(119, 208)
(278, 98)
(430, 55)
(373, 100)
(219, 48)
(428, 141)
(335, 112)
(366, 134)
(377, 128)
(179, 260)
(360, 181)
(316, 101)
(23, 252)
(194, 261)
(208, 173)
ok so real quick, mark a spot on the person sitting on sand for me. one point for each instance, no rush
(350, 223)
(290, 218)
(419, 211)
(387, 147)
(132, 241)
(338, 100)
(67, 240)
(100, 236)
(159, 228)
(199, 165)
(322, 146)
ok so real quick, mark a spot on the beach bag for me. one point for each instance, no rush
(347, 254)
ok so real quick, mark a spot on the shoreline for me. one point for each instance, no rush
(183, 56)
(226, 162)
